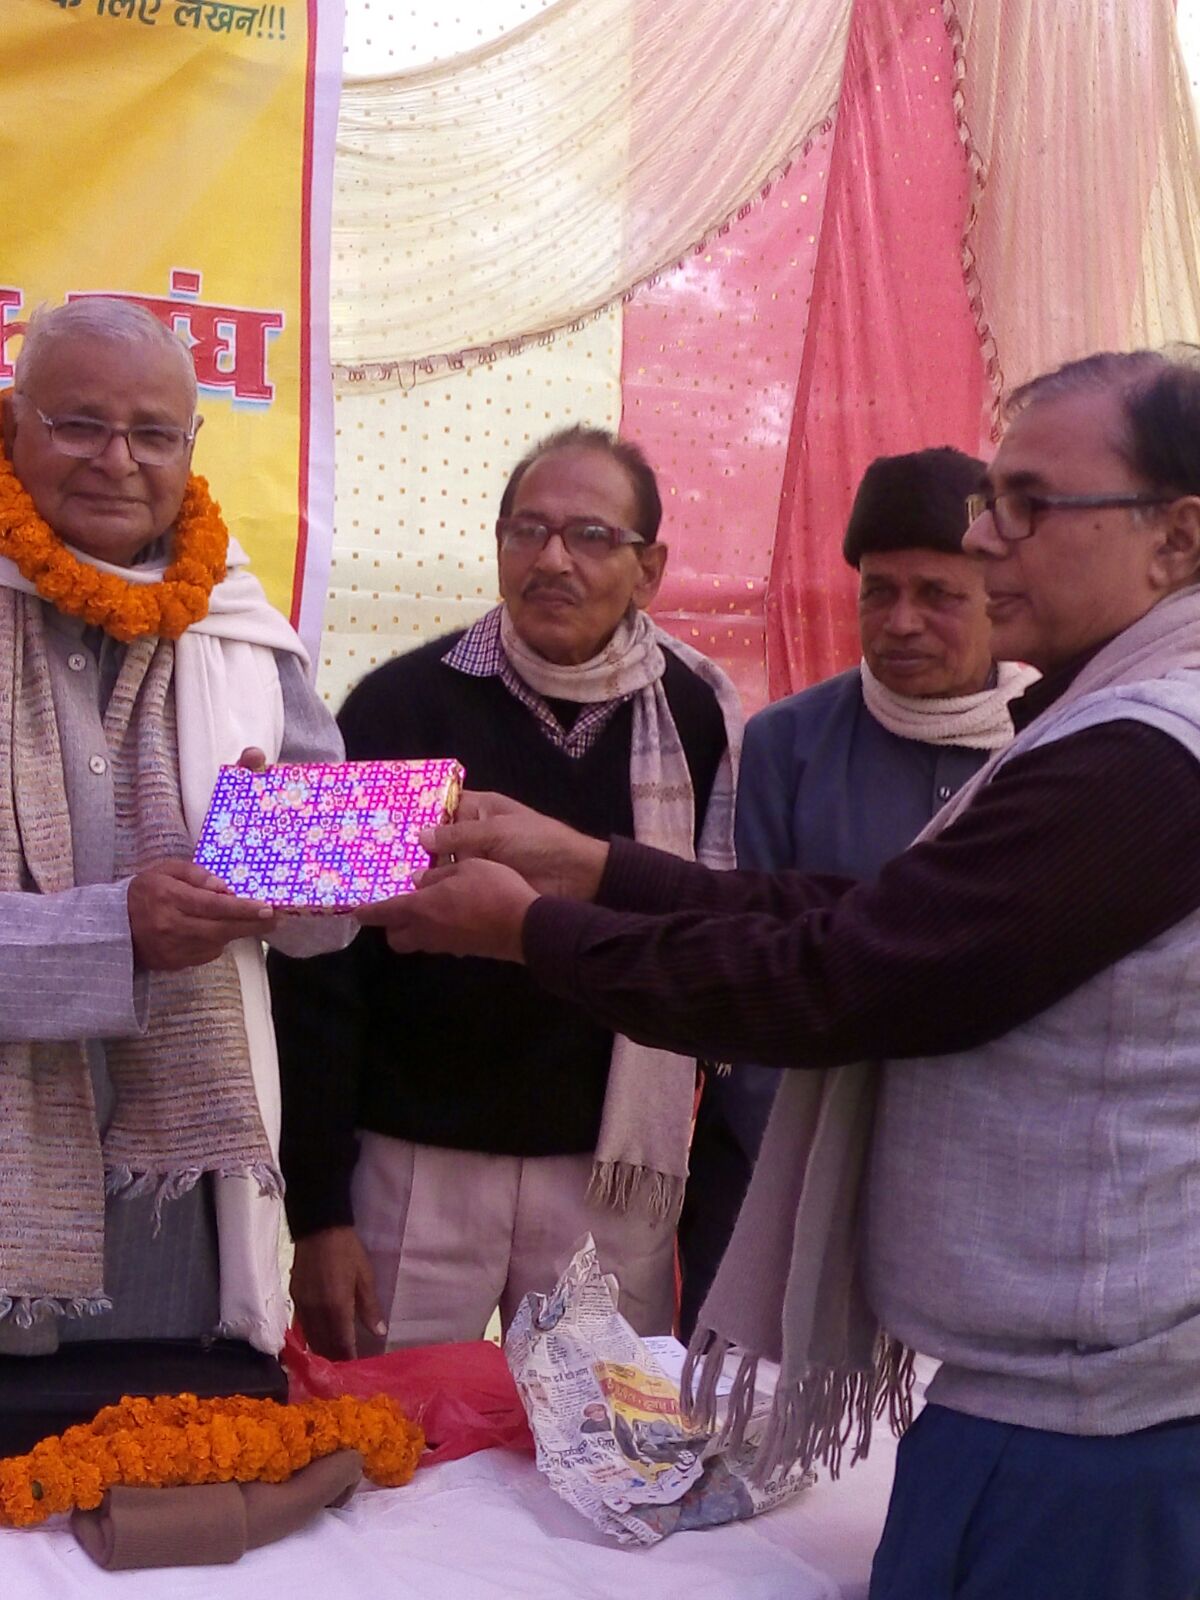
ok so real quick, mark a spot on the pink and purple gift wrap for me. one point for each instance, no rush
(325, 837)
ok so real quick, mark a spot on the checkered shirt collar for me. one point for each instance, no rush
(480, 654)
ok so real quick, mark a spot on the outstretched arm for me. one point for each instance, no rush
(1074, 855)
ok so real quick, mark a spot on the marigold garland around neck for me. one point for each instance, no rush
(170, 1440)
(123, 609)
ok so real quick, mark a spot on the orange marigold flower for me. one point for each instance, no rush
(175, 1439)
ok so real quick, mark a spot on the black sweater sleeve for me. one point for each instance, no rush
(320, 1027)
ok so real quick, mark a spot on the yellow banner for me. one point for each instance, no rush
(180, 155)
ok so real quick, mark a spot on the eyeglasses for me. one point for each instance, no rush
(583, 536)
(1015, 513)
(149, 444)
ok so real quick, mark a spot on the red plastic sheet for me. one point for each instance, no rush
(462, 1395)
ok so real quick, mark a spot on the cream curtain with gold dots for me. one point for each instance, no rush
(517, 189)
(418, 480)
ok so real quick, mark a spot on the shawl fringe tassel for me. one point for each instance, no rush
(124, 1183)
(23, 1310)
(622, 1185)
(810, 1422)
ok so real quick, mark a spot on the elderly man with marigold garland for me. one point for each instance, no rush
(139, 1185)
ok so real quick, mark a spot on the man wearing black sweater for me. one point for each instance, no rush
(449, 1130)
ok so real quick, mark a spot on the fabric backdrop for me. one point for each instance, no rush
(513, 190)
(1006, 185)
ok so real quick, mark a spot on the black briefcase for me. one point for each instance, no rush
(41, 1395)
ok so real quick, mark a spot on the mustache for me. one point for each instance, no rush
(562, 586)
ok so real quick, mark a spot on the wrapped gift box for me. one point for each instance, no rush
(325, 837)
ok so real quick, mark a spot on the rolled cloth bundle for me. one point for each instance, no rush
(209, 1524)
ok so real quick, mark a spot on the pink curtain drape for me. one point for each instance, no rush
(708, 379)
(984, 209)
(892, 360)
(826, 326)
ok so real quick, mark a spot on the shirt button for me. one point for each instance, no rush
(77, 661)
(98, 765)
(943, 793)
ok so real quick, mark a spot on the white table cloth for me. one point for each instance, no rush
(490, 1528)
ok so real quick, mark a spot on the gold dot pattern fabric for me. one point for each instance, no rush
(711, 357)
(419, 472)
(384, 37)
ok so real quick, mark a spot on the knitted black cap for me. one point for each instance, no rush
(912, 502)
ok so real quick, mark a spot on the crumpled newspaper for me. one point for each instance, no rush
(607, 1424)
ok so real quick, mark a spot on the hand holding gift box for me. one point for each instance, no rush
(325, 837)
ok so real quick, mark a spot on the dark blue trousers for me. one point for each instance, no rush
(985, 1511)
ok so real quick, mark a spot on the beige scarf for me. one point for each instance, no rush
(185, 1100)
(789, 1286)
(641, 1154)
(974, 721)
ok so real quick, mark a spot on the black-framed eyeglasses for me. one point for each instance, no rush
(150, 444)
(582, 536)
(1015, 512)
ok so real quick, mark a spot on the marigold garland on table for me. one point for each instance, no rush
(123, 609)
(177, 1439)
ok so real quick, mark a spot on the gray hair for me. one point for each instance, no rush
(105, 317)
(623, 451)
(1159, 397)
(1112, 370)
